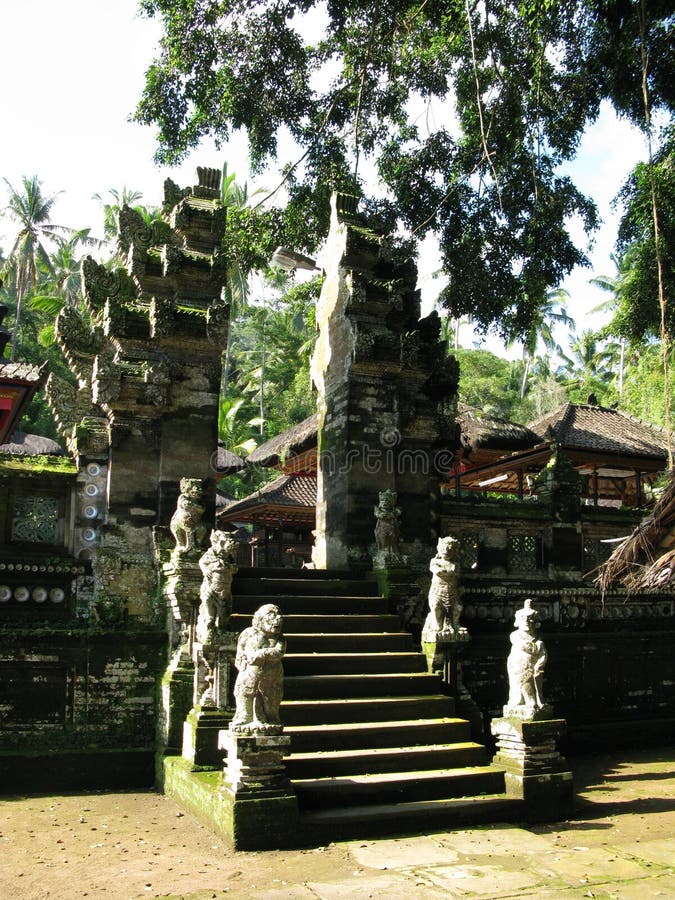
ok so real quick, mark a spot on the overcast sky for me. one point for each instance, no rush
(71, 73)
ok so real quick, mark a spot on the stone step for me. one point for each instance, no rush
(345, 687)
(375, 735)
(313, 604)
(287, 572)
(377, 820)
(398, 787)
(352, 663)
(327, 586)
(326, 624)
(349, 642)
(340, 763)
(383, 709)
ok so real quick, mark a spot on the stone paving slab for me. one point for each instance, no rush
(620, 845)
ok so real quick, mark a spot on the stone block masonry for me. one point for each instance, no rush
(78, 710)
(386, 395)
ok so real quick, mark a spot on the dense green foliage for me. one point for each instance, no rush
(465, 110)
(637, 311)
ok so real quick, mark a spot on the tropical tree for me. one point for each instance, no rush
(125, 197)
(613, 285)
(635, 287)
(270, 356)
(589, 368)
(549, 314)
(644, 393)
(383, 82)
(243, 250)
(31, 211)
(61, 286)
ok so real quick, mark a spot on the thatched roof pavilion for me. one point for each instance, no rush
(22, 444)
(618, 453)
(289, 499)
(228, 462)
(484, 438)
(293, 450)
(645, 560)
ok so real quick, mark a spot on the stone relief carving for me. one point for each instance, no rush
(259, 686)
(173, 194)
(114, 318)
(445, 606)
(387, 531)
(64, 401)
(157, 378)
(161, 316)
(99, 284)
(106, 378)
(132, 230)
(525, 666)
(218, 565)
(187, 525)
(364, 345)
(410, 349)
(79, 341)
(172, 259)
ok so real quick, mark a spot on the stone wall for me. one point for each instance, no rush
(614, 687)
(610, 668)
(80, 677)
(78, 708)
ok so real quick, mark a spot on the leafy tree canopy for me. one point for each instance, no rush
(507, 86)
(637, 312)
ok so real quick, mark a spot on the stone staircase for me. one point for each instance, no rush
(376, 747)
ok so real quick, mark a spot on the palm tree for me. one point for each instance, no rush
(614, 284)
(62, 285)
(125, 197)
(550, 313)
(236, 197)
(590, 363)
(234, 430)
(32, 212)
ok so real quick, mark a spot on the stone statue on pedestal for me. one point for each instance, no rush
(445, 606)
(527, 735)
(525, 666)
(387, 531)
(187, 525)
(218, 565)
(259, 686)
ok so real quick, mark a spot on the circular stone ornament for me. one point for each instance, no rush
(57, 595)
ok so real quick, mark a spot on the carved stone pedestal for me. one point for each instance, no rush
(444, 659)
(255, 762)
(200, 736)
(181, 580)
(534, 769)
(211, 693)
(264, 804)
(177, 690)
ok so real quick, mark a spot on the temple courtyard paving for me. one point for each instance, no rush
(620, 844)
